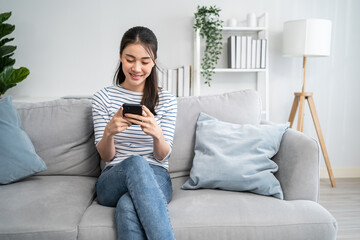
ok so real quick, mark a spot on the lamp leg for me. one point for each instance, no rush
(293, 110)
(321, 139)
(300, 125)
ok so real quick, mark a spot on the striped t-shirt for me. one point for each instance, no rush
(133, 141)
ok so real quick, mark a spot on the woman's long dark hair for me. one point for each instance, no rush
(148, 39)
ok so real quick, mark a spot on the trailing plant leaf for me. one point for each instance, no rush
(210, 26)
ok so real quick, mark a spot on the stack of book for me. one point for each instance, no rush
(176, 81)
(246, 53)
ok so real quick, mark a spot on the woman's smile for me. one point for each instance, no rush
(135, 76)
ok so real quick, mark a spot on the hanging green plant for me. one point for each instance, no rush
(210, 26)
(9, 76)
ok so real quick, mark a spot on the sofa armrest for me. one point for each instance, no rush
(298, 161)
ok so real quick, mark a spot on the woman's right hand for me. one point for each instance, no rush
(117, 124)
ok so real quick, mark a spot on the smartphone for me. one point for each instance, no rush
(132, 108)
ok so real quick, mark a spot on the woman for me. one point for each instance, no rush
(136, 147)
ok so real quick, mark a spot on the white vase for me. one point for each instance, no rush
(232, 22)
(251, 20)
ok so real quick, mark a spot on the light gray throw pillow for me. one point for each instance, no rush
(236, 157)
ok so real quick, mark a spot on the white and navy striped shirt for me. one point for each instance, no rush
(133, 141)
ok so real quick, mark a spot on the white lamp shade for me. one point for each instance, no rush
(308, 37)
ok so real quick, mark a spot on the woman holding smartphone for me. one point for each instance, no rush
(136, 148)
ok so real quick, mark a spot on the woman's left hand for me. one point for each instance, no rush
(147, 122)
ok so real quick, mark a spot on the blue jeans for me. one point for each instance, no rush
(140, 192)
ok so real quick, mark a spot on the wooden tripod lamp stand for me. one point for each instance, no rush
(308, 38)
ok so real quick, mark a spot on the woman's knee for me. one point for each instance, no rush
(109, 193)
(164, 181)
(136, 162)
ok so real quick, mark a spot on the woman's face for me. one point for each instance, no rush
(136, 65)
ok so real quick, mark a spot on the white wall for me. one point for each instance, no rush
(71, 48)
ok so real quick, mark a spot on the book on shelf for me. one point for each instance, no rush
(246, 52)
(231, 52)
(187, 81)
(243, 52)
(180, 81)
(263, 53)
(258, 53)
(237, 51)
(253, 53)
(160, 78)
(172, 81)
(177, 81)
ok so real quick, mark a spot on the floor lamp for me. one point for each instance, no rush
(308, 38)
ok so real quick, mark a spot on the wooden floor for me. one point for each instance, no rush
(343, 202)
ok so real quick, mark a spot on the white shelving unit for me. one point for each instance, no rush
(262, 75)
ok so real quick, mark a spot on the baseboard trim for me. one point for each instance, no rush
(341, 172)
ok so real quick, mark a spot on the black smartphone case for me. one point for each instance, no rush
(132, 108)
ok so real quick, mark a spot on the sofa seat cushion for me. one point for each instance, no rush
(44, 207)
(218, 214)
(98, 222)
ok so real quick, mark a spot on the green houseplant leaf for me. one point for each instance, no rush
(6, 61)
(5, 40)
(6, 29)
(4, 80)
(6, 50)
(4, 16)
(18, 75)
(9, 76)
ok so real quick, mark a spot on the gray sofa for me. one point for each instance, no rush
(60, 203)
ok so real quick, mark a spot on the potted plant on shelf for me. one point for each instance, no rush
(208, 22)
(9, 76)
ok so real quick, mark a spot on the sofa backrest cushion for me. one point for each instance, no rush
(62, 133)
(237, 107)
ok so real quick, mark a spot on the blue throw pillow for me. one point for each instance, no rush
(236, 157)
(18, 158)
